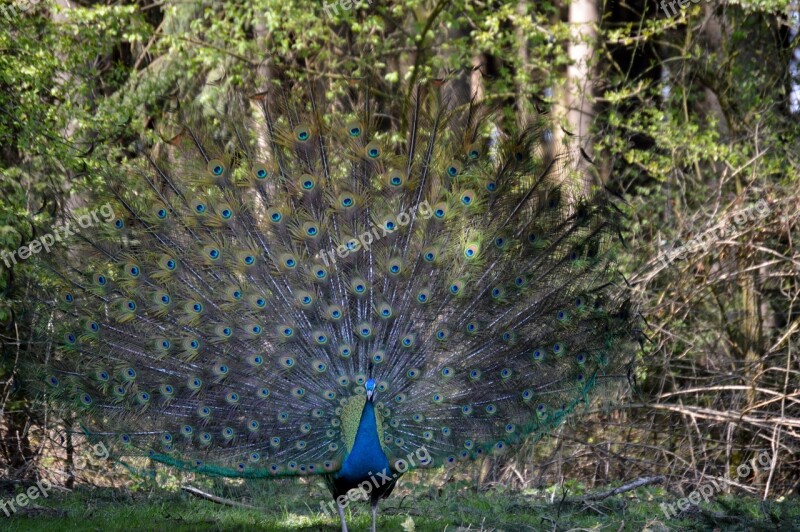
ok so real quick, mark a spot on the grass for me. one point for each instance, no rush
(415, 506)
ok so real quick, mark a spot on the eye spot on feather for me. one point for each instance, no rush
(260, 171)
(302, 133)
(373, 150)
(216, 167)
(453, 169)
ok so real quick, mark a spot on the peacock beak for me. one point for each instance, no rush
(370, 394)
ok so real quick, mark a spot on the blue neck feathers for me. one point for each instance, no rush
(366, 457)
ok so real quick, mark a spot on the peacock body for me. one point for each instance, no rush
(326, 293)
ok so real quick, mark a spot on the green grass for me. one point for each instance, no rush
(290, 505)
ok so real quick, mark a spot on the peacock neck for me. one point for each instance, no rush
(366, 457)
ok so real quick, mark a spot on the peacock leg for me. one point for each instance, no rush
(341, 516)
(374, 514)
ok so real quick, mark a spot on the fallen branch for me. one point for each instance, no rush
(638, 483)
(213, 498)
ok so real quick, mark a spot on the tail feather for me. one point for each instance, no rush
(255, 276)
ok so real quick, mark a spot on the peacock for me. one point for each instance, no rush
(305, 287)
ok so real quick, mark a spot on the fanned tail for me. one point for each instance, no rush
(255, 274)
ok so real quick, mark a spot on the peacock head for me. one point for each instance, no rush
(370, 387)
